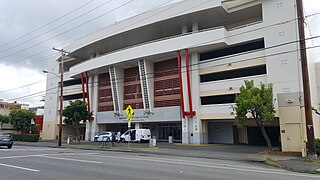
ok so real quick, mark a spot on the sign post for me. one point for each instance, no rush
(129, 112)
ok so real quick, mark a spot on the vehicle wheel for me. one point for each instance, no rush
(9, 147)
(122, 140)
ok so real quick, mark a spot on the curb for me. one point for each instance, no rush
(149, 151)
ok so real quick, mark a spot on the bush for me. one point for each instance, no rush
(317, 142)
(26, 137)
(35, 129)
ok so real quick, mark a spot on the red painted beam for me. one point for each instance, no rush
(180, 79)
(188, 82)
(82, 83)
(87, 93)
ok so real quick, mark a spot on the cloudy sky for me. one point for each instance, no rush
(29, 29)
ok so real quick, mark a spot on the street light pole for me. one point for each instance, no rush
(61, 93)
(61, 98)
(306, 84)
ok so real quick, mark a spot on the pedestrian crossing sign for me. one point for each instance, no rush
(129, 111)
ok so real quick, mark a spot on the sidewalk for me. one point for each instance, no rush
(291, 162)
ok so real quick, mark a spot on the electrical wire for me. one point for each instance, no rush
(270, 55)
(57, 27)
(161, 12)
(279, 45)
(51, 22)
(67, 31)
(316, 13)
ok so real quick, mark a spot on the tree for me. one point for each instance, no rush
(21, 119)
(4, 119)
(255, 103)
(75, 113)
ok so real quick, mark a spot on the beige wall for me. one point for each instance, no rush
(50, 130)
(292, 129)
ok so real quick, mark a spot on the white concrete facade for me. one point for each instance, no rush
(199, 26)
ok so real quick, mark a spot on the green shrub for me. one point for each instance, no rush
(26, 137)
(35, 129)
(317, 142)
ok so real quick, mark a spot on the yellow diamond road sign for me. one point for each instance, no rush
(129, 111)
(129, 118)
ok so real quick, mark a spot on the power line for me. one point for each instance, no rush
(41, 27)
(282, 44)
(65, 31)
(14, 62)
(57, 27)
(270, 55)
(149, 17)
(316, 13)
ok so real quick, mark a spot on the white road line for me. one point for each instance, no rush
(175, 161)
(18, 167)
(202, 162)
(68, 159)
(38, 155)
(14, 157)
(33, 149)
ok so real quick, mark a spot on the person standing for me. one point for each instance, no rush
(113, 139)
(118, 136)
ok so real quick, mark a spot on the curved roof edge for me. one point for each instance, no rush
(163, 13)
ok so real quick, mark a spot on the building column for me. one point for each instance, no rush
(94, 104)
(187, 121)
(91, 126)
(191, 123)
(197, 123)
(137, 125)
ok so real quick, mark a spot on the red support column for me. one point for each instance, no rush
(188, 82)
(87, 94)
(181, 88)
(82, 83)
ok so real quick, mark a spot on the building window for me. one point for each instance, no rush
(72, 82)
(132, 89)
(72, 97)
(220, 99)
(105, 101)
(166, 84)
(237, 73)
(233, 50)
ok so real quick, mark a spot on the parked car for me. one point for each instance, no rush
(6, 140)
(136, 135)
(103, 136)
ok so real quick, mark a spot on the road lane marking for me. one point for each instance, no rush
(18, 167)
(68, 159)
(22, 156)
(199, 162)
(37, 155)
(175, 161)
(34, 149)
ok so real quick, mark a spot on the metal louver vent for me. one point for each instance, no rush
(114, 88)
(144, 84)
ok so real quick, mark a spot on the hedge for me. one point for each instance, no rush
(317, 142)
(26, 137)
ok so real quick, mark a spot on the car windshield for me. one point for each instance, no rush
(4, 136)
(104, 133)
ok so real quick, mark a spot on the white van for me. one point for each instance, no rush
(136, 135)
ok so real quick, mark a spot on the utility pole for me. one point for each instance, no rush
(63, 53)
(305, 78)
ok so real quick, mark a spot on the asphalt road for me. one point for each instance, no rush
(28, 163)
